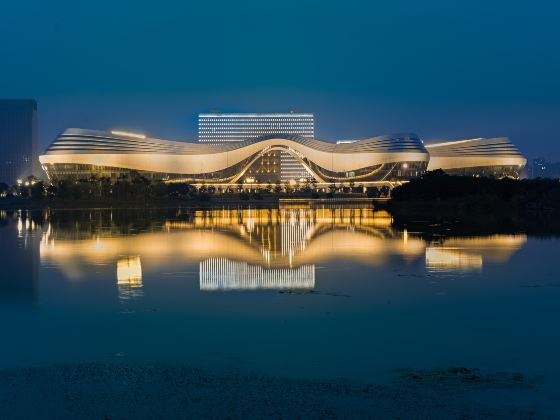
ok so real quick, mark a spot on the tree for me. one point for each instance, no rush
(4, 189)
(314, 183)
(372, 192)
(37, 190)
(52, 191)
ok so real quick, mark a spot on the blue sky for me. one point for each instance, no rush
(442, 69)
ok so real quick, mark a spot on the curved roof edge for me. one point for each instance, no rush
(322, 145)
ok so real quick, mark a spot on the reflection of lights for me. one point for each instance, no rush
(470, 253)
(444, 258)
(129, 272)
(271, 242)
(129, 278)
(224, 274)
(292, 235)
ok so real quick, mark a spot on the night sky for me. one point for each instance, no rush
(441, 69)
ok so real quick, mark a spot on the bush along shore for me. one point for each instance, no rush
(507, 204)
(434, 194)
(439, 190)
(139, 190)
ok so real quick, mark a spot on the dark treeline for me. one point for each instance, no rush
(452, 202)
(132, 188)
(437, 188)
(136, 187)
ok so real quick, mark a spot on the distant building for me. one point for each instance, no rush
(541, 168)
(488, 157)
(18, 139)
(219, 128)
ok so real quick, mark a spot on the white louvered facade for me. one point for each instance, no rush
(79, 154)
(494, 157)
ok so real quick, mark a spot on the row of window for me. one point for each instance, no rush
(254, 131)
(257, 125)
(203, 119)
(250, 135)
(255, 128)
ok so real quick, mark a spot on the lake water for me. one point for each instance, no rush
(304, 292)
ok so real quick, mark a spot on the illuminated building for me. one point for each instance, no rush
(490, 157)
(275, 165)
(18, 140)
(81, 154)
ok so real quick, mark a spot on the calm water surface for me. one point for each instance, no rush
(299, 292)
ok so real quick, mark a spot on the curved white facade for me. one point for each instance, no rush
(81, 154)
(77, 153)
(496, 157)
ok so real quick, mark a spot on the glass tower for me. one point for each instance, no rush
(18, 139)
(216, 128)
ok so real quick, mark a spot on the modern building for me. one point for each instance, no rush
(219, 128)
(79, 154)
(490, 157)
(18, 139)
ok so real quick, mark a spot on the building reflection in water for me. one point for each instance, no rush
(469, 253)
(293, 236)
(248, 249)
(129, 278)
(20, 234)
(223, 274)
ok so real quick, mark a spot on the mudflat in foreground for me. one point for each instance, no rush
(107, 391)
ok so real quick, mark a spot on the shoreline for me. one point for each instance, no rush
(30, 204)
